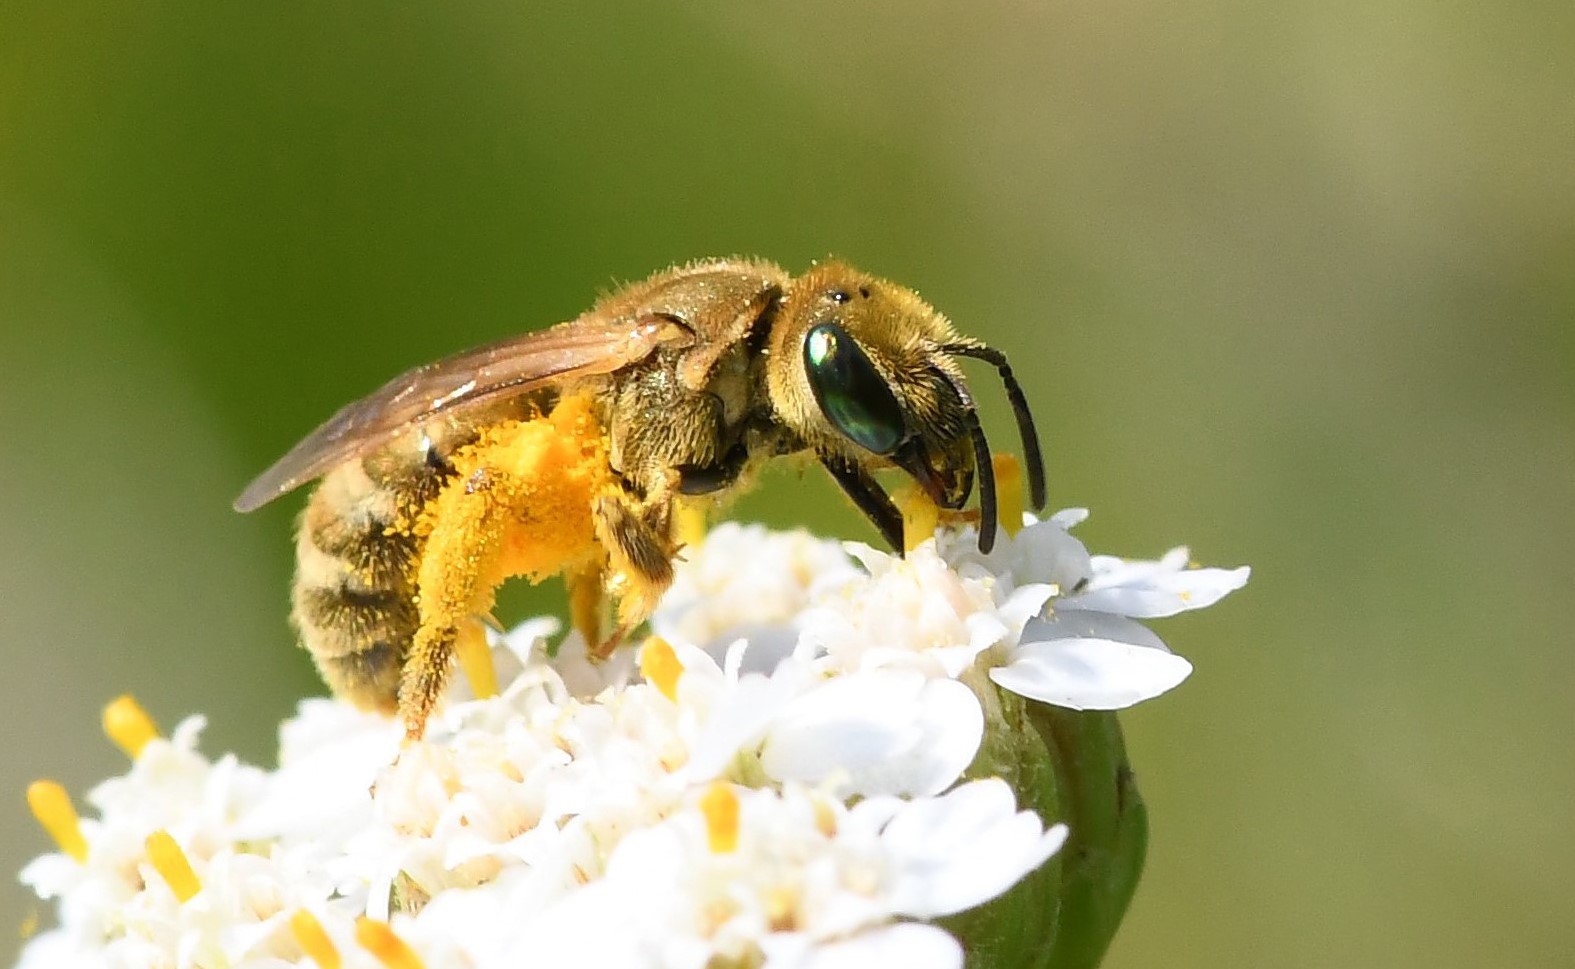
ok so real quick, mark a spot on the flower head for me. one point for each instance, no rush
(783, 776)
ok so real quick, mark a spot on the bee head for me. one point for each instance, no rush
(863, 370)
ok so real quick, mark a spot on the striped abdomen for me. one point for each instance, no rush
(354, 599)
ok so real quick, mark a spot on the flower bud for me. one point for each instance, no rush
(1068, 766)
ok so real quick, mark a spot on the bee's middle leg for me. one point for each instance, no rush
(636, 535)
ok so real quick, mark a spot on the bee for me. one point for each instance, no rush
(575, 450)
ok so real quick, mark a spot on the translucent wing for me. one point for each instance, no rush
(515, 366)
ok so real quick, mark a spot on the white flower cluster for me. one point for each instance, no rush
(781, 786)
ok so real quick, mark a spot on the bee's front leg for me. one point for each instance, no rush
(640, 553)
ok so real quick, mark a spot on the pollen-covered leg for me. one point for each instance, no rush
(640, 558)
(585, 603)
(519, 504)
(457, 579)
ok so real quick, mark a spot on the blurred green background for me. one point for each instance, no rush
(1290, 283)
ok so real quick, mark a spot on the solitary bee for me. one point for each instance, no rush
(568, 451)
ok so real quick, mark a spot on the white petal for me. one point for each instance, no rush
(768, 646)
(910, 945)
(59, 950)
(1046, 553)
(1069, 517)
(1090, 674)
(1152, 590)
(965, 848)
(878, 732)
(1067, 623)
(1025, 603)
(1043, 553)
(523, 640)
(585, 678)
(742, 717)
(325, 787)
(52, 875)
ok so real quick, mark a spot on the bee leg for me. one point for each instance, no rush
(870, 498)
(640, 554)
(585, 603)
(456, 579)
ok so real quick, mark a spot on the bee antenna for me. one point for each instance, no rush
(1025, 417)
(983, 466)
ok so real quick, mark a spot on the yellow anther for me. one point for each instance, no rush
(920, 516)
(720, 806)
(660, 667)
(825, 818)
(129, 726)
(51, 805)
(475, 658)
(171, 864)
(689, 523)
(781, 908)
(313, 940)
(389, 949)
(1009, 492)
(29, 926)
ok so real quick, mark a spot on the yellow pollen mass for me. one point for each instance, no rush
(379, 939)
(720, 806)
(128, 725)
(1009, 492)
(475, 658)
(51, 805)
(920, 516)
(313, 940)
(660, 667)
(172, 865)
(559, 465)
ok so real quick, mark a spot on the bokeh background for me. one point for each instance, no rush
(1292, 283)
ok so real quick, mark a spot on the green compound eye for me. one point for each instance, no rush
(851, 391)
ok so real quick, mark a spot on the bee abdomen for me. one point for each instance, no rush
(348, 620)
(354, 594)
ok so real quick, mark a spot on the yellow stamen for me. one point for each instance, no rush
(825, 818)
(1009, 491)
(475, 658)
(689, 523)
(920, 516)
(313, 940)
(171, 864)
(129, 726)
(389, 949)
(51, 805)
(29, 926)
(781, 908)
(660, 667)
(720, 806)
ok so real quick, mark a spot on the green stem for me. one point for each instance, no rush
(1103, 857)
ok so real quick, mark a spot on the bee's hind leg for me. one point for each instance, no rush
(457, 579)
(640, 553)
